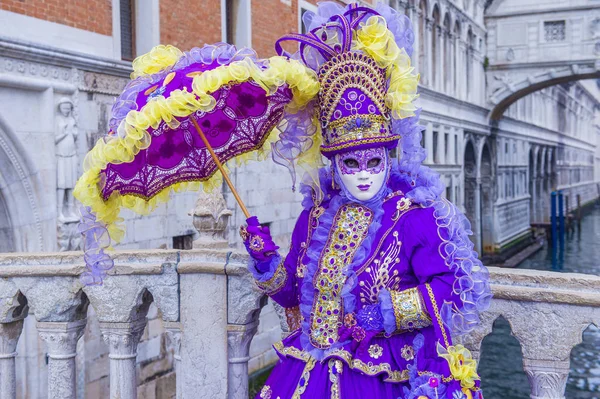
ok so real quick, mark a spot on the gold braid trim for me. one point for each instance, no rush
(409, 309)
(438, 317)
(273, 285)
(356, 364)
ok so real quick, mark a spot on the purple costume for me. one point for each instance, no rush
(374, 290)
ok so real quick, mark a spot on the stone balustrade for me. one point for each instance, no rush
(210, 308)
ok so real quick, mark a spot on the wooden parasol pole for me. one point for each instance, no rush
(220, 166)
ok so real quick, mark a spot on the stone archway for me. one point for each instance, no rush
(472, 192)
(19, 211)
(7, 242)
(487, 200)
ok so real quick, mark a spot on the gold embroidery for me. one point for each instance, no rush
(273, 285)
(408, 353)
(349, 228)
(367, 368)
(409, 309)
(335, 369)
(293, 317)
(383, 238)
(303, 383)
(438, 317)
(380, 273)
(266, 392)
(375, 351)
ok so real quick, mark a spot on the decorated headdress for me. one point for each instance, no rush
(364, 71)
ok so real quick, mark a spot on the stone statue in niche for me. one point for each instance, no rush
(67, 164)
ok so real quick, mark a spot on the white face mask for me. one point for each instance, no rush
(363, 172)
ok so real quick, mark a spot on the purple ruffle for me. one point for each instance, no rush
(95, 240)
(471, 276)
(387, 310)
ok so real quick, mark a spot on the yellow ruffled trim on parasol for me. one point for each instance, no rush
(157, 59)
(132, 134)
(376, 40)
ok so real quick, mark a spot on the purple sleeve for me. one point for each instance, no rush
(277, 278)
(435, 277)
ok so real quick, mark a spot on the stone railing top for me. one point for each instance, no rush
(545, 286)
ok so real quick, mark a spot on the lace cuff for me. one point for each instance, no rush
(409, 309)
(272, 280)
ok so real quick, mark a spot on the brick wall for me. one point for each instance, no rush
(186, 25)
(91, 15)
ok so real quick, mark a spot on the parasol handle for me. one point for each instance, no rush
(220, 166)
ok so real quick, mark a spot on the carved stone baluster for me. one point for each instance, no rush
(548, 379)
(122, 340)
(238, 344)
(174, 332)
(61, 339)
(9, 336)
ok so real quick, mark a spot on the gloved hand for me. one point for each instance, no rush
(258, 240)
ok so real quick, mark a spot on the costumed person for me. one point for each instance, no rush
(381, 274)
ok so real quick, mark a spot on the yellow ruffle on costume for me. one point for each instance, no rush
(132, 135)
(375, 39)
(462, 366)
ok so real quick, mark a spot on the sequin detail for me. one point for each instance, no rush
(349, 228)
(375, 351)
(266, 392)
(408, 353)
(409, 309)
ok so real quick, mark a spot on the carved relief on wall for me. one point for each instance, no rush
(67, 172)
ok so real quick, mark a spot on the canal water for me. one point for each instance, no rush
(501, 367)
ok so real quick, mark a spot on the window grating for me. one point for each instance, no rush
(127, 27)
(554, 31)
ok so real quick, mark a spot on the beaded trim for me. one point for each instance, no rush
(335, 369)
(303, 383)
(409, 309)
(356, 141)
(349, 228)
(350, 69)
(273, 285)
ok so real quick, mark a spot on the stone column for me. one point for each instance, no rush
(238, 344)
(61, 339)
(122, 340)
(428, 52)
(204, 335)
(9, 336)
(477, 227)
(429, 143)
(174, 332)
(547, 378)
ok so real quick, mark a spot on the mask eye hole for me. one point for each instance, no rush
(373, 163)
(351, 163)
